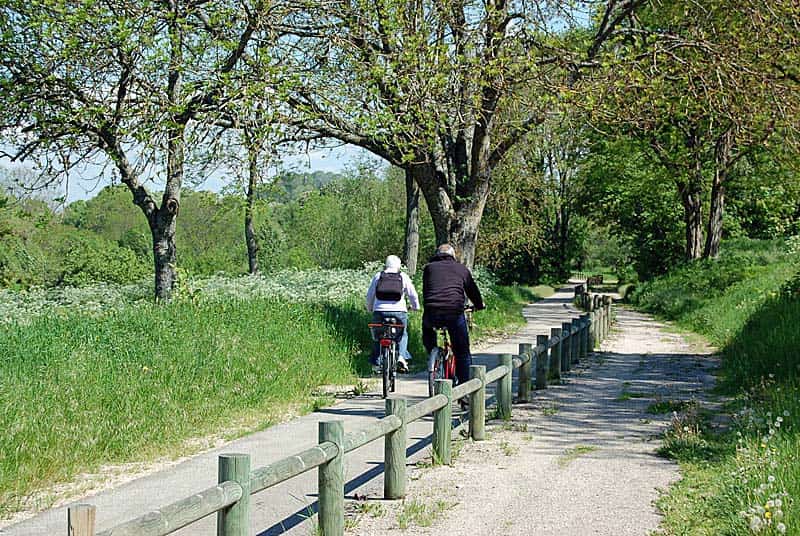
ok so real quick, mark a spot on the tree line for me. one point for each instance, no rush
(498, 104)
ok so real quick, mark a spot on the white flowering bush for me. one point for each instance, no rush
(292, 285)
(295, 286)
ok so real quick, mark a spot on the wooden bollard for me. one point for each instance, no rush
(394, 453)
(331, 481)
(541, 363)
(584, 335)
(555, 354)
(600, 321)
(477, 404)
(234, 520)
(524, 387)
(566, 346)
(608, 302)
(504, 388)
(80, 520)
(576, 340)
(442, 423)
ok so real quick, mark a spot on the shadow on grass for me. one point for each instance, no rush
(349, 322)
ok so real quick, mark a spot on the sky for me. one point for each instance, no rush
(87, 182)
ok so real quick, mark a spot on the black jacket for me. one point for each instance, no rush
(445, 282)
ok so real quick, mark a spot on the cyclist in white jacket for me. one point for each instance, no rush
(381, 309)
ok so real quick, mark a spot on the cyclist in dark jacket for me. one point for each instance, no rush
(445, 284)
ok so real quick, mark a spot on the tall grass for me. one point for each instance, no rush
(745, 480)
(132, 382)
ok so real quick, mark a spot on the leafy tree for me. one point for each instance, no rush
(422, 85)
(707, 84)
(124, 78)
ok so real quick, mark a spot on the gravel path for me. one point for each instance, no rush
(578, 460)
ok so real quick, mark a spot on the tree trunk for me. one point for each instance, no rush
(249, 227)
(164, 254)
(722, 163)
(693, 218)
(163, 221)
(411, 249)
(714, 231)
(453, 223)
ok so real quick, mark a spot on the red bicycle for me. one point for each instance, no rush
(442, 360)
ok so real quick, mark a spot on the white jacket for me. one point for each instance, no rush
(374, 304)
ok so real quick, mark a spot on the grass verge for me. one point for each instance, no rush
(745, 480)
(137, 382)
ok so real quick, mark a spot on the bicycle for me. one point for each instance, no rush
(442, 360)
(387, 334)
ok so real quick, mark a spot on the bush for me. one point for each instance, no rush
(89, 260)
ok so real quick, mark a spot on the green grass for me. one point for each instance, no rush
(77, 392)
(574, 453)
(748, 477)
(136, 382)
(421, 513)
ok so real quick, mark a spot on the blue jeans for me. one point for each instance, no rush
(402, 346)
(456, 324)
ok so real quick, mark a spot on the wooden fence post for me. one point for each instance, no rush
(584, 335)
(394, 453)
(577, 335)
(541, 363)
(504, 388)
(524, 388)
(235, 519)
(80, 520)
(477, 404)
(600, 320)
(608, 301)
(555, 354)
(566, 346)
(331, 481)
(442, 423)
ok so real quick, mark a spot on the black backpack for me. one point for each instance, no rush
(389, 287)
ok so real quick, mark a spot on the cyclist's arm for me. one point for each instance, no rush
(473, 293)
(411, 292)
(371, 294)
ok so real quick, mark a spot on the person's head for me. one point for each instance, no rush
(446, 249)
(392, 263)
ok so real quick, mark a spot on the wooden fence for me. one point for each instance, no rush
(547, 360)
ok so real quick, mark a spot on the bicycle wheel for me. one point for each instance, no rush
(393, 370)
(385, 369)
(450, 365)
(435, 368)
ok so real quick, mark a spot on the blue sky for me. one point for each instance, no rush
(85, 183)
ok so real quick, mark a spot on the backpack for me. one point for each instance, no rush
(389, 287)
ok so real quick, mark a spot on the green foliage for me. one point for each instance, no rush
(716, 296)
(89, 259)
(37, 250)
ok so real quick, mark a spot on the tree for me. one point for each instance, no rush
(130, 80)
(707, 84)
(423, 86)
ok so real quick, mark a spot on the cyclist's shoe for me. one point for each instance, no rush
(464, 403)
(402, 365)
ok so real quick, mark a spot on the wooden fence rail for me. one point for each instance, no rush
(552, 356)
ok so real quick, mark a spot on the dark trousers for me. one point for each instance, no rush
(456, 324)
